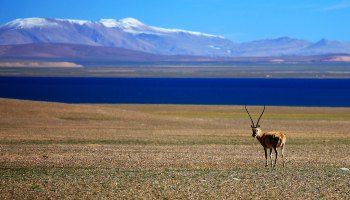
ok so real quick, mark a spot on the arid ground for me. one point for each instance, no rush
(55, 151)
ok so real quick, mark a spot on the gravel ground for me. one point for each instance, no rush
(75, 151)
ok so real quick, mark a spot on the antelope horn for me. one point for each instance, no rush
(260, 116)
(249, 115)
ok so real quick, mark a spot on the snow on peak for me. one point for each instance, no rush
(131, 21)
(214, 47)
(42, 22)
(134, 26)
(110, 23)
(126, 23)
(75, 21)
(130, 25)
(165, 30)
(31, 22)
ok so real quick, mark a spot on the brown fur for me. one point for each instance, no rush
(271, 140)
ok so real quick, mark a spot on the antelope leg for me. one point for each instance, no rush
(282, 151)
(266, 163)
(271, 157)
(276, 155)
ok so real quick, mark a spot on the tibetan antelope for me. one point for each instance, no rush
(269, 140)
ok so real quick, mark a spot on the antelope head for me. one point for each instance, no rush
(255, 127)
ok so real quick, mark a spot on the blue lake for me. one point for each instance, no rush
(289, 92)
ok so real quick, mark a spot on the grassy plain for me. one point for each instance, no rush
(54, 151)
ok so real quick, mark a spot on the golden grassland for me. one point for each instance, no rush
(54, 150)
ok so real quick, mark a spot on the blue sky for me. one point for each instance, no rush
(241, 21)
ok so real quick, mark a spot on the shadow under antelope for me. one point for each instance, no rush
(269, 140)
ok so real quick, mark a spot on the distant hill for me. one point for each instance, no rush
(134, 35)
(87, 53)
(75, 52)
(272, 47)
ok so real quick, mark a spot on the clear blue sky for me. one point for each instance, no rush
(242, 20)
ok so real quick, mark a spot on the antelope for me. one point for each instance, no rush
(269, 140)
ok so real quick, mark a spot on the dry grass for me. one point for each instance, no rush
(52, 150)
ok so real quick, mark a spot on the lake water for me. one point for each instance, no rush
(289, 92)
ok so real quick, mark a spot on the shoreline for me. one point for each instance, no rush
(153, 71)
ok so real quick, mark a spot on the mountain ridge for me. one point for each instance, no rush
(78, 52)
(130, 33)
(84, 54)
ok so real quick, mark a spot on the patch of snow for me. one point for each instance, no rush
(136, 32)
(214, 47)
(126, 23)
(109, 23)
(75, 21)
(31, 22)
(165, 30)
(134, 26)
(131, 22)
(236, 179)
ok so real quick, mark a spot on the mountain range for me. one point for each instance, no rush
(132, 37)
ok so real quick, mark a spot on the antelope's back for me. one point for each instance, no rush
(278, 135)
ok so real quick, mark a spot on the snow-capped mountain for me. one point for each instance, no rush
(132, 25)
(126, 33)
(132, 34)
